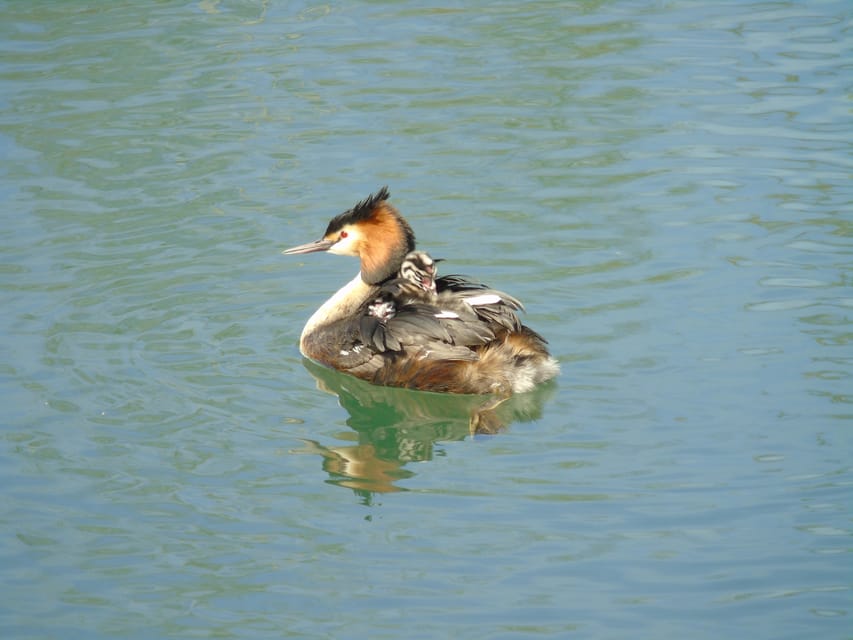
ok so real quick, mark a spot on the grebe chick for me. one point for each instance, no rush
(416, 283)
(460, 338)
(419, 282)
(408, 293)
(419, 269)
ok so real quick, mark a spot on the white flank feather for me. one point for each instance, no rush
(486, 298)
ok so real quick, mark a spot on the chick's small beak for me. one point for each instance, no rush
(310, 247)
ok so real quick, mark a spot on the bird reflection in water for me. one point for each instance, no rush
(393, 427)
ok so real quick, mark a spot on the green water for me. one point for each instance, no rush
(667, 187)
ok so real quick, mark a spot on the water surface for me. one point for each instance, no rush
(666, 187)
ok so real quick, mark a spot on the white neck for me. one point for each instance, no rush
(345, 302)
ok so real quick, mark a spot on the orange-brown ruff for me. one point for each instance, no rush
(461, 338)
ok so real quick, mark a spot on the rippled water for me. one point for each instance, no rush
(666, 186)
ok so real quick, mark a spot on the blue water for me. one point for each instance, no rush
(665, 186)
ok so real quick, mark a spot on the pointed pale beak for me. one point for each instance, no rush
(310, 247)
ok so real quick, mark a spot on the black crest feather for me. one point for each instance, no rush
(359, 212)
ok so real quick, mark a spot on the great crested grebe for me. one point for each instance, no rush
(397, 324)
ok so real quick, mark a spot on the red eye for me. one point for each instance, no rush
(343, 235)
